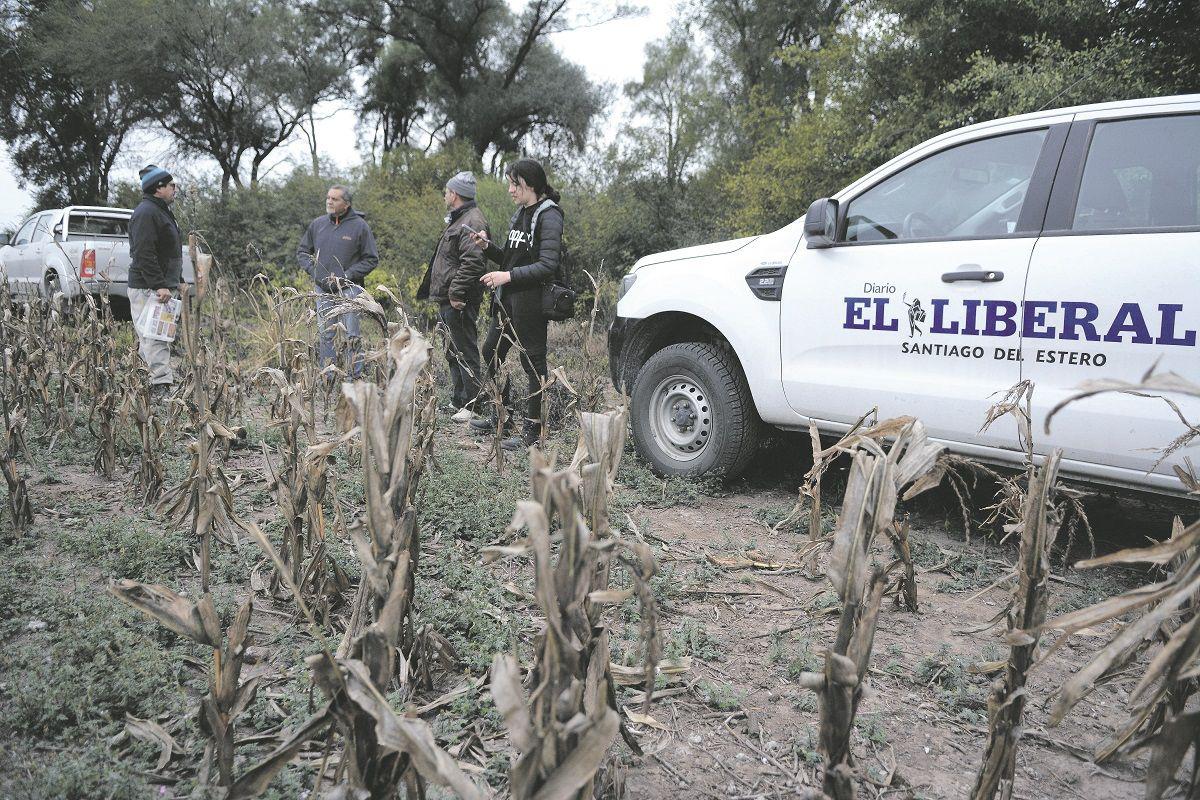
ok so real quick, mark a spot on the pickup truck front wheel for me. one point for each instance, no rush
(692, 413)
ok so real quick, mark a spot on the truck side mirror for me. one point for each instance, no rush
(5, 239)
(820, 224)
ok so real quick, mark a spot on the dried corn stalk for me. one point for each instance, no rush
(105, 381)
(138, 407)
(563, 729)
(19, 508)
(906, 583)
(227, 698)
(1026, 612)
(205, 496)
(877, 481)
(1157, 717)
(382, 749)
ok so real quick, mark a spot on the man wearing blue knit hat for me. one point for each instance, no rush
(156, 266)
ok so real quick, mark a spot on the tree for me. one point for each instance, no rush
(65, 106)
(675, 107)
(492, 77)
(761, 46)
(235, 79)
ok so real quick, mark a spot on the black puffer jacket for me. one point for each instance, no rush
(533, 258)
(155, 246)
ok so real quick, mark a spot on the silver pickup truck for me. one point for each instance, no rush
(73, 250)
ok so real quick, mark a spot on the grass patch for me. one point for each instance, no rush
(960, 693)
(692, 639)
(637, 485)
(467, 501)
(123, 546)
(720, 695)
(74, 658)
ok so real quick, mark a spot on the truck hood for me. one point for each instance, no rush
(700, 251)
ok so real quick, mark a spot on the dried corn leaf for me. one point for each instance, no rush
(196, 621)
(255, 781)
(152, 732)
(511, 703)
(644, 719)
(404, 735)
(1161, 553)
(1170, 746)
(1135, 632)
(580, 766)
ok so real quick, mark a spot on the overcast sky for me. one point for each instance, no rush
(611, 53)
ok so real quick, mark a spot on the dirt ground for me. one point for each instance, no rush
(732, 722)
(735, 726)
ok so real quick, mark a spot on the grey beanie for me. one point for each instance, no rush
(463, 185)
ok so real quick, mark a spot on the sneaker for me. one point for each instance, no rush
(464, 414)
(160, 392)
(483, 424)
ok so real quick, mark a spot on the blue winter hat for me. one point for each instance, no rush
(152, 177)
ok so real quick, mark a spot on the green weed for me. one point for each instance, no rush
(468, 502)
(721, 696)
(692, 639)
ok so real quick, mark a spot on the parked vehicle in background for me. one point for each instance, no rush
(75, 250)
(1056, 247)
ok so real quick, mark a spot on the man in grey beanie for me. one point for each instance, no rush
(452, 280)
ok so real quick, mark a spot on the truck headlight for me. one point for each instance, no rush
(626, 285)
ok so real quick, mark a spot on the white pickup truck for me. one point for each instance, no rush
(1053, 247)
(73, 250)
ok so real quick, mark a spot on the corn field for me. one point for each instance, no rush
(359, 601)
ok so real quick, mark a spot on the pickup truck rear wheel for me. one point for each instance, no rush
(692, 413)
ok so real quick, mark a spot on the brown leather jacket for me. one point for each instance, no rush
(458, 263)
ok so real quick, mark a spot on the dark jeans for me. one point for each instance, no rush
(529, 330)
(462, 351)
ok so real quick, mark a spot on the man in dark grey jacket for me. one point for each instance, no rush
(338, 252)
(453, 281)
(155, 266)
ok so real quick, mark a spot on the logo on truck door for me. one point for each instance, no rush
(1054, 320)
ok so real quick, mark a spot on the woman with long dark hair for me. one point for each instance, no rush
(530, 259)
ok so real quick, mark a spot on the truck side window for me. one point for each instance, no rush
(41, 231)
(1141, 174)
(25, 234)
(971, 190)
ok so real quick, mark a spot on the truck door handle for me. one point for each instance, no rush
(980, 275)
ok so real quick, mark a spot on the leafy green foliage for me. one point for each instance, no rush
(465, 502)
(693, 639)
(959, 692)
(720, 695)
(82, 659)
(127, 547)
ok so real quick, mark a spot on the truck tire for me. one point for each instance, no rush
(51, 285)
(692, 413)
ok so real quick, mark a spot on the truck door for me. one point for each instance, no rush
(19, 257)
(1116, 275)
(916, 308)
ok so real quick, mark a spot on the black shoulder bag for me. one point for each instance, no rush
(558, 298)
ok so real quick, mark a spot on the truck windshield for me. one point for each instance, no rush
(92, 225)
